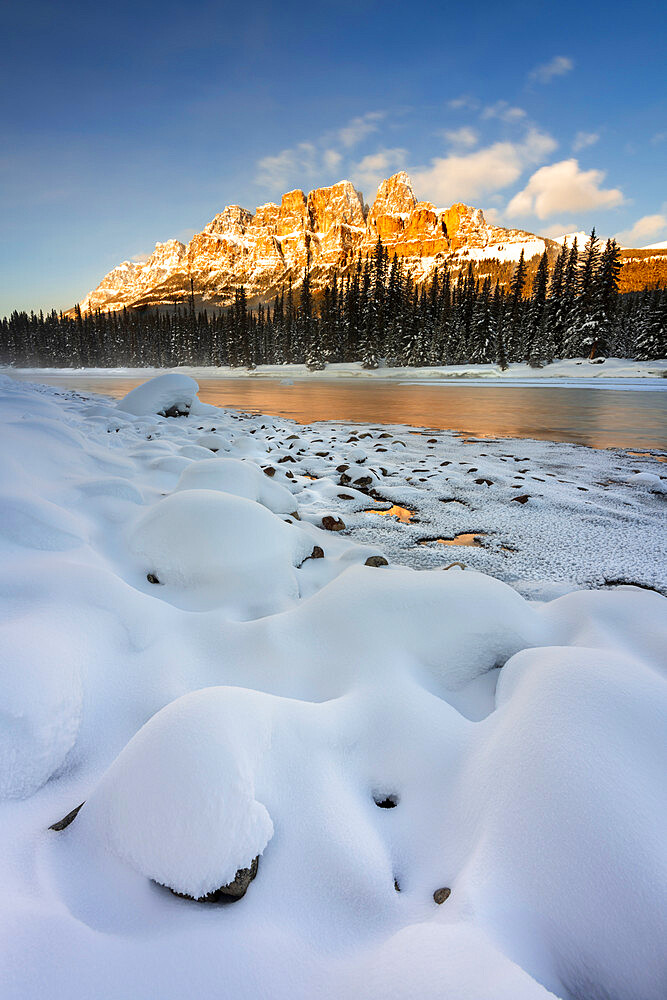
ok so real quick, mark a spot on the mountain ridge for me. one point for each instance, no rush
(325, 230)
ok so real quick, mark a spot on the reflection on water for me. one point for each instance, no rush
(470, 538)
(601, 418)
(647, 454)
(403, 514)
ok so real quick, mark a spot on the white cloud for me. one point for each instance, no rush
(331, 158)
(464, 102)
(374, 168)
(504, 111)
(556, 229)
(279, 171)
(464, 136)
(358, 128)
(563, 187)
(557, 66)
(646, 229)
(461, 177)
(583, 140)
(658, 137)
(140, 258)
(493, 216)
(309, 161)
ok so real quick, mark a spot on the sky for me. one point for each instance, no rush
(127, 124)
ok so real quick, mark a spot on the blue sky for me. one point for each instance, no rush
(132, 123)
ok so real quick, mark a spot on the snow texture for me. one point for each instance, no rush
(178, 655)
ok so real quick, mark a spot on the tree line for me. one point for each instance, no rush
(374, 314)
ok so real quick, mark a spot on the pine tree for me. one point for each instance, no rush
(515, 310)
(534, 352)
(498, 314)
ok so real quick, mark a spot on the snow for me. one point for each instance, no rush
(187, 778)
(505, 251)
(171, 391)
(656, 246)
(255, 702)
(209, 548)
(618, 370)
(240, 478)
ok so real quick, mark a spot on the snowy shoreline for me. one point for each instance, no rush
(625, 372)
(219, 637)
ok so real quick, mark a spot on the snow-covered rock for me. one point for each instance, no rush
(210, 548)
(240, 478)
(179, 802)
(166, 394)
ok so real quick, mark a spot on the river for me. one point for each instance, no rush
(598, 417)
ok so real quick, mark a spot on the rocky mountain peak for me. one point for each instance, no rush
(327, 229)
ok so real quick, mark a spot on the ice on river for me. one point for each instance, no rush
(454, 785)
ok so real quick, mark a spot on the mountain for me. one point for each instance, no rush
(326, 229)
(656, 246)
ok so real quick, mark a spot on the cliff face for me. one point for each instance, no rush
(325, 229)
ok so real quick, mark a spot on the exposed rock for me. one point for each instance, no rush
(226, 893)
(332, 523)
(63, 823)
(376, 561)
(440, 895)
(329, 227)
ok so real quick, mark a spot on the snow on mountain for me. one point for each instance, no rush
(656, 246)
(328, 229)
(567, 239)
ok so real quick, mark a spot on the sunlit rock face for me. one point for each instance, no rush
(325, 230)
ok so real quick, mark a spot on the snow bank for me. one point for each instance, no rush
(170, 394)
(221, 681)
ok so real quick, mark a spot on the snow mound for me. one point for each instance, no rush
(40, 704)
(210, 549)
(240, 478)
(178, 804)
(171, 393)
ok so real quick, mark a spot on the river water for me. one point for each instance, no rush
(601, 418)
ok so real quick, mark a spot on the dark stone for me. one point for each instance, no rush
(489, 482)
(396, 885)
(151, 577)
(376, 561)
(317, 553)
(363, 481)
(295, 514)
(175, 411)
(226, 893)
(345, 496)
(524, 498)
(342, 468)
(269, 471)
(388, 802)
(440, 895)
(63, 823)
(332, 523)
(344, 480)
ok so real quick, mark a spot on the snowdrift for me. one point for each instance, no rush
(452, 790)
